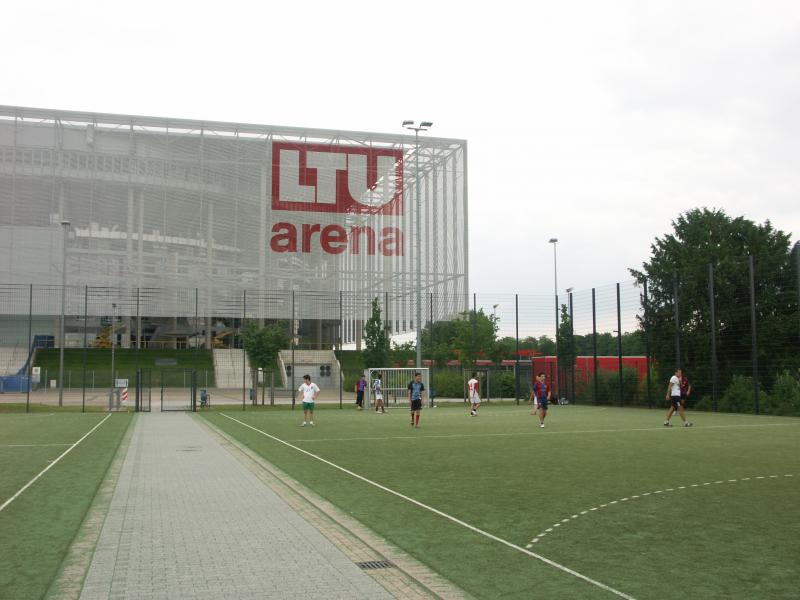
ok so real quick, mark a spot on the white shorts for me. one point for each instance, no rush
(379, 396)
(475, 399)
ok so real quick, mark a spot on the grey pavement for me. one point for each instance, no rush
(189, 520)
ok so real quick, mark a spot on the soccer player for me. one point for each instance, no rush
(360, 387)
(674, 397)
(686, 390)
(540, 396)
(474, 396)
(415, 389)
(377, 389)
(309, 392)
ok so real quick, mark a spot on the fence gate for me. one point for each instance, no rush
(175, 388)
(144, 392)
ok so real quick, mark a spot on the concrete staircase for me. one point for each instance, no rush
(228, 368)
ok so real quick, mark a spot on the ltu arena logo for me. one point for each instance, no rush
(342, 179)
(337, 179)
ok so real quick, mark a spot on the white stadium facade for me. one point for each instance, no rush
(180, 227)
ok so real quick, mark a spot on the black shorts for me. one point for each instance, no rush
(416, 404)
(676, 401)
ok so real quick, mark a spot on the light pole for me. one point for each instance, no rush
(494, 311)
(65, 225)
(554, 241)
(423, 126)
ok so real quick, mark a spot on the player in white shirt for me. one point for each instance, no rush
(377, 390)
(674, 397)
(473, 395)
(309, 392)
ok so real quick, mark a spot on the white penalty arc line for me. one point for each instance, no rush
(48, 467)
(440, 513)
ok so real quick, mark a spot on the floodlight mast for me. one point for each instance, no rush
(423, 126)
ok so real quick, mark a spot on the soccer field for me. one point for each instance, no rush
(602, 503)
(51, 465)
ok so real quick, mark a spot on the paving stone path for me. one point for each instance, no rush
(190, 521)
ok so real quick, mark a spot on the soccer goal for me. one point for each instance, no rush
(394, 384)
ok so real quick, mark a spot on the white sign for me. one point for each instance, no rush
(121, 383)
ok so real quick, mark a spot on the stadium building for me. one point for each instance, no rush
(181, 227)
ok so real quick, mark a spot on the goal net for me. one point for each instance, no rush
(394, 384)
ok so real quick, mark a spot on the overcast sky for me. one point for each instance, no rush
(597, 123)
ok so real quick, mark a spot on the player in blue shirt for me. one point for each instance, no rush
(415, 389)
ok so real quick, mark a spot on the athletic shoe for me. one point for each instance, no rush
(687, 424)
(541, 424)
(667, 424)
(304, 424)
(312, 423)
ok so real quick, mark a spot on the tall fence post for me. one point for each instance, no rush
(85, 343)
(594, 348)
(753, 333)
(30, 349)
(516, 354)
(291, 332)
(572, 348)
(675, 301)
(619, 345)
(244, 350)
(714, 365)
(647, 348)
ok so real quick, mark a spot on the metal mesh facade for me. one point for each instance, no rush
(193, 213)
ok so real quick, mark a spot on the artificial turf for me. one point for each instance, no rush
(37, 528)
(709, 511)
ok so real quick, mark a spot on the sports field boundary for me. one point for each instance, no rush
(407, 578)
(68, 583)
(445, 515)
(51, 465)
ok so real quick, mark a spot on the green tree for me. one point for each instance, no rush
(376, 339)
(476, 333)
(262, 344)
(709, 236)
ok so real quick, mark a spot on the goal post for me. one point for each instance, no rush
(394, 384)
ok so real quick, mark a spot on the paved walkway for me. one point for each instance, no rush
(188, 520)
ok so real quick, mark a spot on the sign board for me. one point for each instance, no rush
(121, 383)
(36, 374)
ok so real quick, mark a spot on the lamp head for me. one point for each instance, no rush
(408, 123)
(552, 240)
(426, 124)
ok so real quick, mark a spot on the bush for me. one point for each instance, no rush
(738, 396)
(608, 388)
(784, 398)
(501, 384)
(705, 403)
(448, 384)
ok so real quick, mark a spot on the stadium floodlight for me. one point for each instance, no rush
(423, 126)
(65, 225)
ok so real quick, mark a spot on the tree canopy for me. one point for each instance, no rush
(704, 239)
(262, 344)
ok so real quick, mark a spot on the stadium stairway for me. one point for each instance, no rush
(228, 368)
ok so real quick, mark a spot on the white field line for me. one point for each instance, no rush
(550, 529)
(31, 445)
(441, 514)
(47, 468)
(538, 432)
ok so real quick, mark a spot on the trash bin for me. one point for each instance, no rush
(203, 398)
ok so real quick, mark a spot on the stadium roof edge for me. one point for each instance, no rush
(181, 123)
